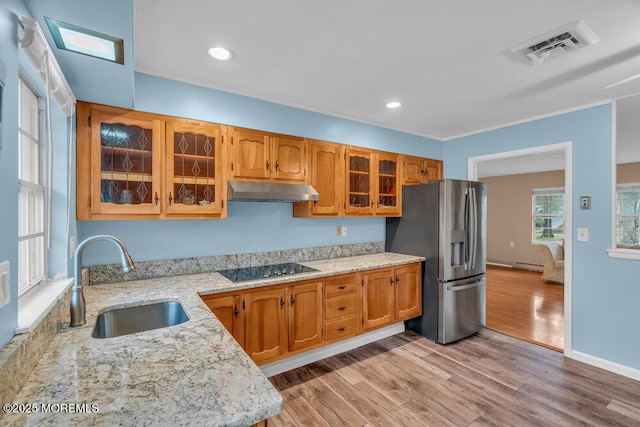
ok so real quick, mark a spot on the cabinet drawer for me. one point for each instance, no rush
(343, 328)
(338, 287)
(340, 307)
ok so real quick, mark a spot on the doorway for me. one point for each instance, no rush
(532, 160)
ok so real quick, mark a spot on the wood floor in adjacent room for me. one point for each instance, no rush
(489, 379)
(521, 304)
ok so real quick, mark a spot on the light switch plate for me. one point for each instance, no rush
(344, 231)
(5, 292)
(583, 235)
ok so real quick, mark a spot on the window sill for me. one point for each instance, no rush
(38, 302)
(630, 254)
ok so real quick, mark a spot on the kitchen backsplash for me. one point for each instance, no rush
(111, 273)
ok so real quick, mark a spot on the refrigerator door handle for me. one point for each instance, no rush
(467, 220)
(464, 287)
(473, 228)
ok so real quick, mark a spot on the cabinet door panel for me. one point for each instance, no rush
(359, 182)
(126, 153)
(289, 156)
(194, 168)
(265, 327)
(407, 292)
(341, 286)
(388, 187)
(433, 170)
(228, 309)
(250, 154)
(377, 299)
(413, 170)
(305, 315)
(326, 177)
(342, 328)
(340, 307)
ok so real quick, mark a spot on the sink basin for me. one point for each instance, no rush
(129, 320)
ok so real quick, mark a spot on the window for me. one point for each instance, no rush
(31, 190)
(628, 216)
(548, 214)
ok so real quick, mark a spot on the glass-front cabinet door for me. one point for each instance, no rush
(126, 158)
(359, 181)
(193, 168)
(388, 188)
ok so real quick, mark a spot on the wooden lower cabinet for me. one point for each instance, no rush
(265, 324)
(228, 309)
(391, 295)
(278, 321)
(305, 315)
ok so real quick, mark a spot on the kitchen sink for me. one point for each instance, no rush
(140, 318)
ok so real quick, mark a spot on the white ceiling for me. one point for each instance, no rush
(447, 61)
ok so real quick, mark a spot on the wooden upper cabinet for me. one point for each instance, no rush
(305, 315)
(228, 309)
(418, 170)
(194, 169)
(387, 174)
(407, 292)
(250, 150)
(134, 165)
(359, 182)
(119, 162)
(288, 158)
(265, 324)
(262, 156)
(326, 162)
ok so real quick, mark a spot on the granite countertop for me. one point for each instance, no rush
(192, 373)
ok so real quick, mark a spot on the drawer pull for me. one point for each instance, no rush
(341, 329)
(342, 308)
(342, 287)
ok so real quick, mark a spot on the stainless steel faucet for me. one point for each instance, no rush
(78, 306)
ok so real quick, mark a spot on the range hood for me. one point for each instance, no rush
(254, 191)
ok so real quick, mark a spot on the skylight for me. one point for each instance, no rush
(86, 42)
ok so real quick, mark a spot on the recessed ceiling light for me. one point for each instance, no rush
(220, 53)
(623, 81)
(85, 41)
(393, 105)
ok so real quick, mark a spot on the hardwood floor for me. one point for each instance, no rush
(522, 305)
(489, 379)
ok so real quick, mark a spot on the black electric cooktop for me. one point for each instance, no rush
(264, 271)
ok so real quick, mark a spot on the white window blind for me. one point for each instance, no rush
(548, 214)
(31, 190)
(628, 216)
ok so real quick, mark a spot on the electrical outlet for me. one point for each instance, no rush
(5, 292)
(344, 231)
(338, 230)
(512, 244)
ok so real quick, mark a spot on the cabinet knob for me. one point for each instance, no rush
(342, 308)
(236, 311)
(277, 165)
(390, 281)
(281, 302)
(170, 198)
(341, 329)
(342, 287)
(397, 280)
(268, 165)
(292, 300)
(156, 198)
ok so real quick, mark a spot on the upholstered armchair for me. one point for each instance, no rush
(552, 255)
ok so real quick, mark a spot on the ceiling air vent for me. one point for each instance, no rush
(573, 36)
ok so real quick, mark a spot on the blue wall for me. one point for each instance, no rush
(606, 292)
(14, 60)
(251, 227)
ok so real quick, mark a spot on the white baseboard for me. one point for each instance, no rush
(607, 365)
(498, 264)
(329, 350)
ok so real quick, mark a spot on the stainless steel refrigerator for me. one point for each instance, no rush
(445, 222)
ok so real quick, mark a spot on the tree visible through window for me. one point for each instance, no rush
(548, 214)
(628, 216)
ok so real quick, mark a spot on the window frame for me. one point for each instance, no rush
(625, 187)
(37, 189)
(547, 192)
